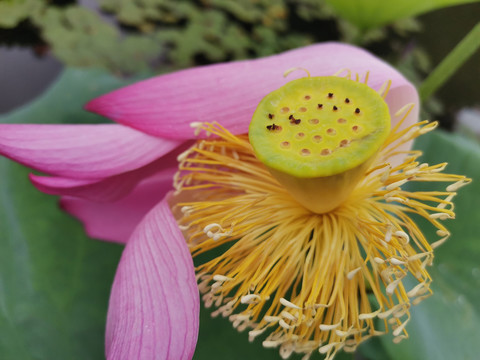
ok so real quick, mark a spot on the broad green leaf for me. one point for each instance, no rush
(63, 102)
(54, 281)
(367, 14)
(373, 349)
(446, 326)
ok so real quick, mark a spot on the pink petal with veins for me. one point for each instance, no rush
(106, 190)
(154, 303)
(115, 221)
(81, 151)
(229, 93)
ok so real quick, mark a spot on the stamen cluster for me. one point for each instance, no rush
(302, 281)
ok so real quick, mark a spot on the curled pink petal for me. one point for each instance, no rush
(229, 93)
(96, 190)
(115, 221)
(81, 151)
(154, 303)
(105, 190)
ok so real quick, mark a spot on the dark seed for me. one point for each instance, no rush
(273, 127)
(270, 116)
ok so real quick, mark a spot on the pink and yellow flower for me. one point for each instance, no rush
(299, 277)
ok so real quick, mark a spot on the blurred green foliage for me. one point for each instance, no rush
(127, 36)
(12, 12)
(368, 14)
(79, 37)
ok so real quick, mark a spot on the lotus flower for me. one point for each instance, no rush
(293, 271)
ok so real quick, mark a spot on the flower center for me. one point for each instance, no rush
(301, 281)
(318, 135)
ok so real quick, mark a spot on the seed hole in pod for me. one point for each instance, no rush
(355, 128)
(307, 97)
(285, 144)
(305, 152)
(284, 109)
(325, 152)
(357, 111)
(317, 138)
(334, 108)
(302, 109)
(271, 116)
(300, 135)
(343, 143)
(313, 121)
(342, 121)
(331, 131)
(330, 95)
(320, 106)
(347, 101)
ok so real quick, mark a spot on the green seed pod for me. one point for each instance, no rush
(318, 134)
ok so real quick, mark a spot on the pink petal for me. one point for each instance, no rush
(81, 151)
(154, 303)
(106, 190)
(115, 221)
(229, 93)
